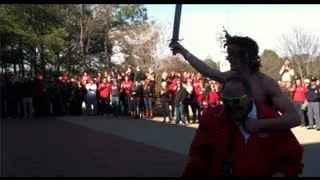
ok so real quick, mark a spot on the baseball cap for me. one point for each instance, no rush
(306, 81)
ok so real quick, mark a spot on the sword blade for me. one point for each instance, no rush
(176, 23)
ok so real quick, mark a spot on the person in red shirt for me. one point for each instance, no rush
(104, 93)
(214, 95)
(172, 90)
(299, 91)
(222, 145)
(126, 86)
(196, 80)
(199, 93)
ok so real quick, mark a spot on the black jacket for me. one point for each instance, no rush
(139, 76)
(165, 97)
(313, 94)
(180, 96)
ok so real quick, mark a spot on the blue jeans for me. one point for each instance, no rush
(148, 103)
(115, 102)
(180, 112)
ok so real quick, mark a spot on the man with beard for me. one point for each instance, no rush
(222, 145)
(244, 59)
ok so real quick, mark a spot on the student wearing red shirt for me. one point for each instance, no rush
(172, 90)
(299, 98)
(104, 93)
(199, 93)
(214, 95)
(126, 86)
(85, 78)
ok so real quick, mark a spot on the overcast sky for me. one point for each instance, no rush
(264, 23)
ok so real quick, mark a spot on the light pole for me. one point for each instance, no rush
(224, 65)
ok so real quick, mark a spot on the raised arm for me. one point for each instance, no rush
(198, 64)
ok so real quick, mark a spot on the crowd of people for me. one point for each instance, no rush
(305, 94)
(133, 93)
(130, 93)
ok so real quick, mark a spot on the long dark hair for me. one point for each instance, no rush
(247, 45)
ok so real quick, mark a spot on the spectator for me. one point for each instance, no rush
(91, 98)
(286, 73)
(299, 91)
(139, 75)
(214, 95)
(164, 100)
(147, 99)
(115, 101)
(313, 96)
(135, 100)
(126, 86)
(104, 91)
(190, 101)
(180, 97)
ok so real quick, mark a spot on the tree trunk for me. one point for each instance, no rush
(21, 58)
(58, 62)
(15, 68)
(81, 36)
(34, 62)
(42, 58)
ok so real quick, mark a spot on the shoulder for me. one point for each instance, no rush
(270, 85)
(228, 74)
(211, 114)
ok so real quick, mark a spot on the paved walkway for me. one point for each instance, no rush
(51, 147)
(178, 138)
(100, 146)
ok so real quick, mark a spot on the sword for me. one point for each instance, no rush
(176, 24)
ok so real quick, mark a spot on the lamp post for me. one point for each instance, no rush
(224, 65)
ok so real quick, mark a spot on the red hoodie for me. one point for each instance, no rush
(263, 154)
(199, 90)
(172, 88)
(299, 93)
(104, 90)
(213, 97)
(126, 87)
(85, 78)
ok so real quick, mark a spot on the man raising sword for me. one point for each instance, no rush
(244, 60)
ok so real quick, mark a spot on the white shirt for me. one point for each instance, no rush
(287, 76)
(91, 88)
(252, 114)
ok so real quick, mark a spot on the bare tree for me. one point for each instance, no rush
(162, 50)
(302, 48)
(138, 44)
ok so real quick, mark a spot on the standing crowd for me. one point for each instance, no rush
(305, 94)
(130, 93)
(182, 96)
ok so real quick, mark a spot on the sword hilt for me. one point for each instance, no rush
(174, 40)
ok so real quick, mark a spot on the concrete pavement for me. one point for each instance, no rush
(178, 138)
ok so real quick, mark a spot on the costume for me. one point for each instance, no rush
(262, 154)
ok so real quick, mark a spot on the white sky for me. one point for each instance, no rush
(264, 23)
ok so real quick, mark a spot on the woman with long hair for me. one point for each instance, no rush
(135, 100)
(147, 98)
(164, 100)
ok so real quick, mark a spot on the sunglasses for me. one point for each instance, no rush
(235, 100)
